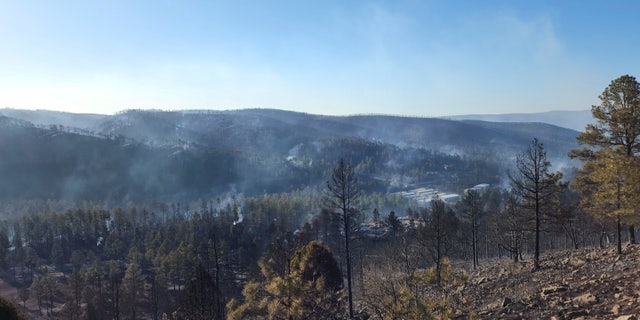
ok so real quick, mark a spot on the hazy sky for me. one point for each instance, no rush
(426, 58)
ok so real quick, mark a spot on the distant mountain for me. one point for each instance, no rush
(576, 120)
(47, 117)
(184, 155)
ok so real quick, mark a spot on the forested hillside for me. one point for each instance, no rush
(267, 213)
(182, 156)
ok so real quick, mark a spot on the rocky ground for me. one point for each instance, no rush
(587, 283)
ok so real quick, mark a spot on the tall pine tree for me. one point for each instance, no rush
(612, 144)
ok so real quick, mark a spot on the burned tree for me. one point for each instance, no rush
(534, 184)
(471, 209)
(438, 233)
(343, 194)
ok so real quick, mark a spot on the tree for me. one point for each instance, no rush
(617, 128)
(510, 226)
(115, 278)
(437, 233)
(343, 194)
(310, 290)
(75, 284)
(608, 184)
(157, 292)
(50, 286)
(535, 186)
(23, 295)
(471, 209)
(133, 285)
(394, 222)
(375, 215)
(37, 291)
(571, 219)
(9, 311)
(201, 299)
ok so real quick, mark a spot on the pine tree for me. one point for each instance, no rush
(311, 290)
(133, 285)
(617, 130)
(343, 195)
(535, 186)
(609, 188)
(201, 299)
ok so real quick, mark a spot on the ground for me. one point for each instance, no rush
(590, 283)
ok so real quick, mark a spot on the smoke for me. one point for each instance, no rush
(240, 218)
(451, 150)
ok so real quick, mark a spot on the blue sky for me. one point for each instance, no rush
(423, 58)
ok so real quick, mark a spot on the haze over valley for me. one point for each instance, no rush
(151, 155)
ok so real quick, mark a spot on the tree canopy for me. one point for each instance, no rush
(608, 180)
(311, 289)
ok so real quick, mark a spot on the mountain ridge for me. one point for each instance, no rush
(576, 120)
(182, 155)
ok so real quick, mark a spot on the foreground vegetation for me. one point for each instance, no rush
(96, 263)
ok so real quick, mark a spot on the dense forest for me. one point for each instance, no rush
(92, 230)
(139, 262)
(58, 163)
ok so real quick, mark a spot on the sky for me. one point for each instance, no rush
(335, 57)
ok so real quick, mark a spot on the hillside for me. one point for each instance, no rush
(144, 155)
(587, 283)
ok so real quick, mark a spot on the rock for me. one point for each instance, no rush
(615, 309)
(546, 291)
(577, 262)
(585, 300)
(627, 317)
(592, 255)
(576, 314)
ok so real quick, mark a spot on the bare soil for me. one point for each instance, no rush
(587, 283)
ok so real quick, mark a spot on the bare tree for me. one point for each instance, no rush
(534, 184)
(511, 226)
(343, 195)
(437, 233)
(471, 209)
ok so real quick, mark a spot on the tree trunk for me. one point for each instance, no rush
(474, 237)
(536, 256)
(348, 257)
(619, 235)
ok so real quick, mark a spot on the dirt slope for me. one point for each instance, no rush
(582, 284)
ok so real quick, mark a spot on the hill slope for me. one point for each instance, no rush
(589, 283)
(575, 120)
(186, 155)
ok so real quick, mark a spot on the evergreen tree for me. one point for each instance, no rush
(609, 187)
(311, 289)
(617, 129)
(8, 311)
(133, 285)
(201, 299)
